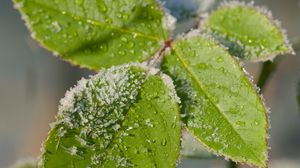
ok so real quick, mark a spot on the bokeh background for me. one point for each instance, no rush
(32, 81)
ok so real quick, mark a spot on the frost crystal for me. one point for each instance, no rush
(169, 83)
(247, 50)
(97, 106)
(169, 22)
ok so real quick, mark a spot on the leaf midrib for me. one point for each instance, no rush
(193, 76)
(98, 23)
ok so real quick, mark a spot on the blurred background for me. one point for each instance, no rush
(32, 81)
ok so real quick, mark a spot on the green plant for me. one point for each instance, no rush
(132, 114)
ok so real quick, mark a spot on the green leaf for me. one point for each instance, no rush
(220, 106)
(249, 32)
(97, 33)
(119, 118)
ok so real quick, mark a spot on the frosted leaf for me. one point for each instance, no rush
(97, 34)
(219, 105)
(169, 83)
(103, 119)
(249, 32)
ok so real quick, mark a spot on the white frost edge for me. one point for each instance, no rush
(169, 22)
(147, 67)
(199, 33)
(66, 102)
(169, 83)
(264, 11)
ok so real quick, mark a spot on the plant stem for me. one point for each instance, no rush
(270, 67)
(158, 58)
(267, 70)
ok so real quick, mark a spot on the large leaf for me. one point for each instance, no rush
(220, 105)
(97, 33)
(118, 118)
(249, 32)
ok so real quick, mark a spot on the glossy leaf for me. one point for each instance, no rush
(249, 32)
(220, 106)
(98, 33)
(119, 118)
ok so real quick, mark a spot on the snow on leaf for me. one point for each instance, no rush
(117, 118)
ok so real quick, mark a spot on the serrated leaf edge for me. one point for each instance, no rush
(262, 10)
(195, 33)
(168, 23)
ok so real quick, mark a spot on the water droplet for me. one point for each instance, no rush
(124, 39)
(164, 142)
(202, 66)
(130, 44)
(220, 59)
(56, 27)
(241, 123)
(173, 125)
(103, 47)
(102, 6)
(79, 2)
(149, 123)
(122, 52)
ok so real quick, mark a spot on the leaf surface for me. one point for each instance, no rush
(220, 106)
(249, 32)
(118, 118)
(97, 33)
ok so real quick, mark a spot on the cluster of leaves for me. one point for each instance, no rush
(132, 114)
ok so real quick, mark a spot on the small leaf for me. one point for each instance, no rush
(118, 118)
(98, 33)
(249, 32)
(220, 107)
